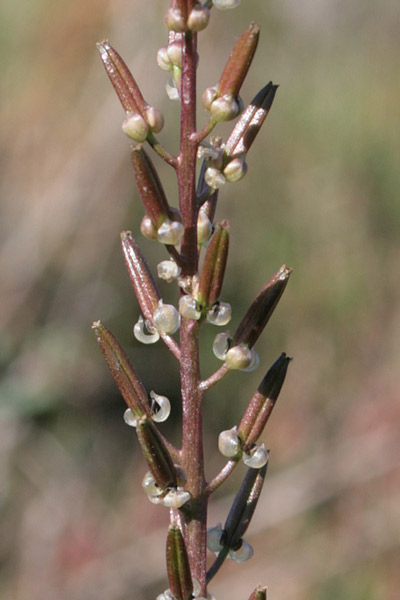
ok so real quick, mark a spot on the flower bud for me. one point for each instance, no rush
(221, 345)
(168, 270)
(170, 232)
(145, 338)
(174, 51)
(172, 90)
(122, 370)
(143, 283)
(163, 59)
(261, 309)
(176, 498)
(198, 18)
(257, 457)
(189, 307)
(160, 407)
(239, 357)
(166, 318)
(235, 170)
(229, 443)
(178, 567)
(156, 454)
(175, 20)
(219, 314)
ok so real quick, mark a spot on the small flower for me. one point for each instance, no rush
(150, 486)
(245, 552)
(198, 18)
(221, 345)
(130, 418)
(214, 178)
(168, 270)
(239, 357)
(219, 314)
(235, 170)
(135, 127)
(170, 232)
(189, 307)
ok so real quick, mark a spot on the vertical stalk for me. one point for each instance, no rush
(192, 433)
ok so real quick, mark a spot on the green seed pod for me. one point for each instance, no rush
(156, 454)
(178, 567)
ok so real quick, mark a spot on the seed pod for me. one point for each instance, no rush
(260, 593)
(213, 271)
(250, 122)
(239, 62)
(122, 371)
(178, 567)
(243, 507)
(260, 407)
(143, 283)
(151, 191)
(122, 80)
(260, 311)
(156, 454)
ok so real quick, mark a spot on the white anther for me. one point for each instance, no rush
(168, 270)
(150, 486)
(130, 418)
(257, 457)
(188, 307)
(221, 345)
(214, 535)
(160, 407)
(139, 333)
(244, 553)
(176, 498)
(166, 318)
(229, 442)
(220, 314)
(170, 232)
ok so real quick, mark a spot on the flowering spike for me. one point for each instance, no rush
(122, 80)
(250, 122)
(178, 567)
(143, 283)
(259, 410)
(261, 309)
(239, 62)
(213, 271)
(122, 371)
(156, 454)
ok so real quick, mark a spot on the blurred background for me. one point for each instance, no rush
(321, 195)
